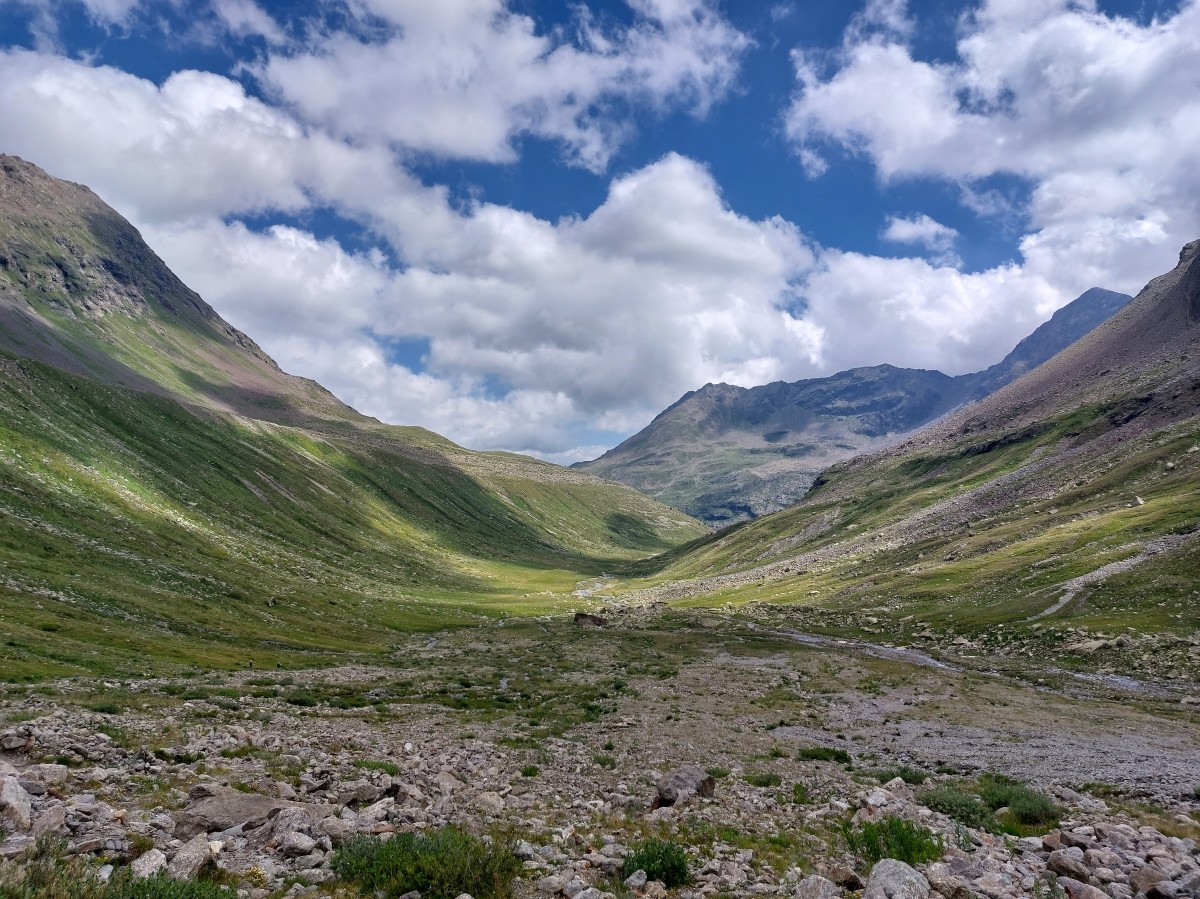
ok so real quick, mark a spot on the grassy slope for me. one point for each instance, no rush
(987, 531)
(136, 533)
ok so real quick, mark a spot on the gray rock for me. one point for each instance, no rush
(223, 809)
(296, 844)
(892, 879)
(1078, 890)
(191, 858)
(576, 886)
(148, 864)
(16, 811)
(1068, 863)
(816, 887)
(551, 885)
(636, 880)
(682, 784)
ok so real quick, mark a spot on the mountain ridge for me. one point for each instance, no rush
(723, 453)
(169, 496)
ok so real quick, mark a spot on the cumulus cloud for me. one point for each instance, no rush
(585, 322)
(924, 231)
(466, 78)
(1098, 113)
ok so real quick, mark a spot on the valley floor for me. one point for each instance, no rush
(556, 734)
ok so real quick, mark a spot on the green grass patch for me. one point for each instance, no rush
(964, 807)
(763, 779)
(893, 837)
(440, 865)
(907, 773)
(824, 754)
(662, 860)
(530, 771)
(376, 765)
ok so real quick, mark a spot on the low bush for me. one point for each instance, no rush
(908, 774)
(965, 808)
(440, 865)
(824, 754)
(763, 779)
(1025, 805)
(720, 773)
(661, 860)
(1196, 792)
(893, 837)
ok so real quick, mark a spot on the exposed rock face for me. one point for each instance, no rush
(892, 879)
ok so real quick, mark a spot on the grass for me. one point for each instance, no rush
(46, 872)
(763, 779)
(158, 537)
(907, 773)
(964, 807)
(375, 765)
(662, 860)
(717, 773)
(824, 754)
(893, 837)
(530, 771)
(1026, 806)
(440, 865)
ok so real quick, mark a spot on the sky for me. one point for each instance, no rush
(532, 225)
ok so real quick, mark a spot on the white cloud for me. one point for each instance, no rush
(245, 18)
(1100, 114)
(924, 231)
(466, 78)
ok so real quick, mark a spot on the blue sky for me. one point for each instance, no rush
(532, 225)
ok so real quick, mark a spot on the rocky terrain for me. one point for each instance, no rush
(749, 749)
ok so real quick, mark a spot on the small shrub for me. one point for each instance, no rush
(895, 838)
(105, 708)
(1025, 805)
(908, 774)
(824, 754)
(661, 860)
(605, 761)
(801, 794)
(965, 808)
(301, 698)
(372, 765)
(763, 779)
(609, 746)
(531, 771)
(722, 773)
(776, 752)
(440, 865)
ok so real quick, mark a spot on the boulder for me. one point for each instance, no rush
(16, 811)
(636, 880)
(1078, 890)
(681, 785)
(1068, 863)
(225, 809)
(587, 618)
(892, 879)
(191, 858)
(148, 864)
(816, 887)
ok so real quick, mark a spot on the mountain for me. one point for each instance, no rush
(169, 496)
(1068, 324)
(1062, 504)
(725, 453)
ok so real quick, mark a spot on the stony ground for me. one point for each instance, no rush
(563, 737)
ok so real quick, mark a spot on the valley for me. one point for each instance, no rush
(255, 643)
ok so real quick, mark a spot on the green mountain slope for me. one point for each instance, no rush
(1069, 498)
(725, 453)
(169, 496)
